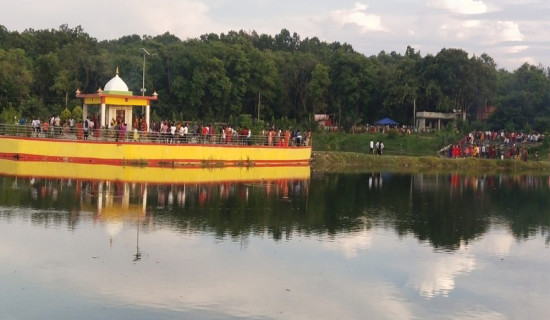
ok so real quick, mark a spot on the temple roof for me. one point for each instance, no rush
(116, 86)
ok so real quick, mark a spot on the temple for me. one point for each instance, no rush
(116, 103)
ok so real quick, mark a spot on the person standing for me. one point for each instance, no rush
(371, 145)
(173, 129)
(91, 126)
(85, 128)
(71, 125)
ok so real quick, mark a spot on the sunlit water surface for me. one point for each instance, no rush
(356, 246)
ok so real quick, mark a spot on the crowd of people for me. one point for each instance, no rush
(495, 145)
(166, 132)
(183, 132)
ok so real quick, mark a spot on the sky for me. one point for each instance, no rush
(512, 32)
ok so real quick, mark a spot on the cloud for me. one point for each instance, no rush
(479, 314)
(194, 274)
(516, 49)
(437, 276)
(461, 6)
(509, 31)
(184, 18)
(499, 243)
(350, 244)
(107, 19)
(358, 16)
(484, 32)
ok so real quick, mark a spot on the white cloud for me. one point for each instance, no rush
(360, 17)
(369, 26)
(499, 243)
(461, 6)
(509, 31)
(350, 244)
(479, 314)
(105, 19)
(485, 32)
(183, 18)
(437, 276)
(516, 49)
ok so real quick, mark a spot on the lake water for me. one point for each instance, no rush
(328, 246)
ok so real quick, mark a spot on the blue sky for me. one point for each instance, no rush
(510, 31)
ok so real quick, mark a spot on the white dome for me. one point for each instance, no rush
(116, 84)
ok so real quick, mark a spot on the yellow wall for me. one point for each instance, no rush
(152, 175)
(164, 152)
(119, 101)
(94, 100)
(126, 101)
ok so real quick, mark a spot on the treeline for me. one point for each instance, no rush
(217, 77)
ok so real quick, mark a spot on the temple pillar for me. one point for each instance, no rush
(147, 116)
(103, 124)
(100, 197)
(84, 112)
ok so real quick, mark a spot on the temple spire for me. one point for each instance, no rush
(117, 70)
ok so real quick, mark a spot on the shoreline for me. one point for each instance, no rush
(336, 161)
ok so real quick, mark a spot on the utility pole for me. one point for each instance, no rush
(414, 113)
(259, 102)
(145, 52)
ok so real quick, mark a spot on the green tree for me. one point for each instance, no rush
(318, 88)
(77, 113)
(9, 115)
(15, 77)
(65, 114)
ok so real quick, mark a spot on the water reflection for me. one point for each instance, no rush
(333, 246)
(448, 211)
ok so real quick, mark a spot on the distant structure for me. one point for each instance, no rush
(434, 120)
(115, 101)
(323, 120)
(484, 113)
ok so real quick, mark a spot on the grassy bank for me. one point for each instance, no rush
(355, 162)
(414, 152)
(394, 144)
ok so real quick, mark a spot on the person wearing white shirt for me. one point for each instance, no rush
(371, 145)
(173, 132)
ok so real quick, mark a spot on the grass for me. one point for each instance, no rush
(394, 144)
(350, 152)
(352, 161)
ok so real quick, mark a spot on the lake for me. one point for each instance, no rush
(252, 245)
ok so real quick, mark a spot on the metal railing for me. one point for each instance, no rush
(110, 134)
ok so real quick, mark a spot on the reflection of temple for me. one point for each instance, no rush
(113, 201)
(202, 194)
(110, 201)
(117, 205)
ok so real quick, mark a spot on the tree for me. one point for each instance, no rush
(318, 88)
(15, 77)
(77, 113)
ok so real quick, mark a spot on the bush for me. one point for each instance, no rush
(65, 115)
(244, 121)
(77, 113)
(9, 115)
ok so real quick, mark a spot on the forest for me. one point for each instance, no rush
(218, 77)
